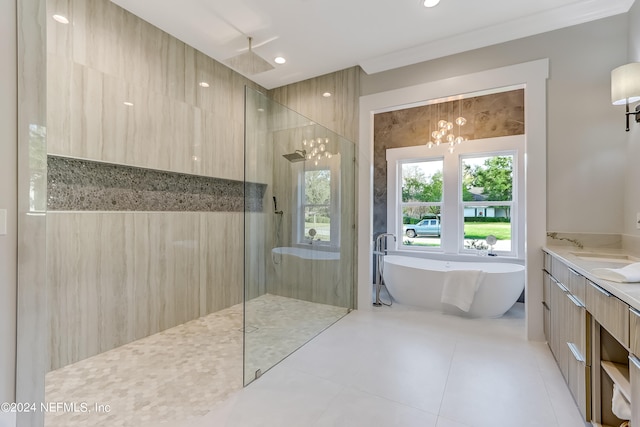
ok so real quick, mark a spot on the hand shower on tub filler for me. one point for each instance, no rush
(381, 247)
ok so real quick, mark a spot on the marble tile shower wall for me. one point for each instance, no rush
(114, 277)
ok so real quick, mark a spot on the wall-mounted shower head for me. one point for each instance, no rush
(296, 156)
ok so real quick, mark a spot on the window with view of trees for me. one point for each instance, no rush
(421, 202)
(319, 207)
(487, 200)
(451, 202)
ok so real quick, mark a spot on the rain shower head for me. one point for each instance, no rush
(249, 63)
(296, 156)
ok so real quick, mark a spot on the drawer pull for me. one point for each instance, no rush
(635, 361)
(544, 304)
(575, 300)
(634, 311)
(575, 273)
(602, 291)
(576, 352)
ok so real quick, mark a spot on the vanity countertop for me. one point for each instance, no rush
(584, 265)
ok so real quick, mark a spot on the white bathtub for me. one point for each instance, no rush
(419, 282)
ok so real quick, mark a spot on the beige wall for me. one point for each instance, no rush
(339, 112)
(8, 199)
(115, 277)
(586, 148)
(632, 195)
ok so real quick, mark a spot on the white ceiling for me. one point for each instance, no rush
(321, 36)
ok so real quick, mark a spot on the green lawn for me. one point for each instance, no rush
(480, 230)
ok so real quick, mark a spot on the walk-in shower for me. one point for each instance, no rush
(299, 257)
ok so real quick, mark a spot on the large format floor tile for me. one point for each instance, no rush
(401, 366)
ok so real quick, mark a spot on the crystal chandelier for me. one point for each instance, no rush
(444, 132)
(317, 149)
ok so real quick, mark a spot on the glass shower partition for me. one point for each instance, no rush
(299, 231)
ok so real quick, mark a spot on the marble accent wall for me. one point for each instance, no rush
(125, 106)
(488, 116)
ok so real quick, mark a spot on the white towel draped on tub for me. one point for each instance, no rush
(630, 273)
(460, 287)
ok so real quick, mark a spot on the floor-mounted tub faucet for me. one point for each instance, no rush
(380, 250)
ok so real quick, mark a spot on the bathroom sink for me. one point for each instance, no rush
(596, 256)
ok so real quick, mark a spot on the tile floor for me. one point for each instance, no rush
(399, 366)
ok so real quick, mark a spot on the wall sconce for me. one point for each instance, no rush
(625, 88)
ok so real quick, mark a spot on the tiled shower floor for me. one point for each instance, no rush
(183, 372)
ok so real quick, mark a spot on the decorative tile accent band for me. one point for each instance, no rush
(84, 185)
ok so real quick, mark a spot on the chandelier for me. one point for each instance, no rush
(444, 134)
(317, 149)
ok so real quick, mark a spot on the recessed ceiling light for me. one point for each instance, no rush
(279, 60)
(326, 94)
(61, 19)
(128, 104)
(203, 84)
(430, 3)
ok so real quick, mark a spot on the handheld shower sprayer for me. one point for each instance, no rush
(275, 206)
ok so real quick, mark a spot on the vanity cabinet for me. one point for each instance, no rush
(567, 328)
(601, 334)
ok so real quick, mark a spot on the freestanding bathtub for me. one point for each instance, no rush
(419, 282)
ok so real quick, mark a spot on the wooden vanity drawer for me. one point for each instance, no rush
(634, 331)
(547, 262)
(577, 285)
(609, 312)
(576, 328)
(546, 305)
(560, 271)
(578, 380)
(546, 288)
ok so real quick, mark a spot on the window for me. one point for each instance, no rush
(421, 203)
(450, 202)
(487, 201)
(319, 221)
